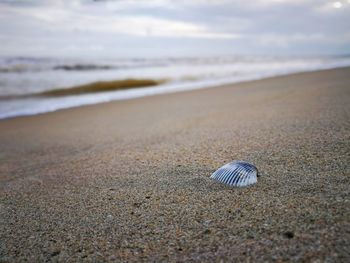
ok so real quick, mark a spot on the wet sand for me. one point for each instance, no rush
(129, 180)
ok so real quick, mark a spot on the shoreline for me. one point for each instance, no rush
(129, 180)
(129, 94)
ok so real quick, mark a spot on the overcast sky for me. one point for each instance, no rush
(110, 28)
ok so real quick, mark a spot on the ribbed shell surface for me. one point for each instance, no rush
(236, 173)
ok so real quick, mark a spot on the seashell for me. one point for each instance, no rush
(236, 173)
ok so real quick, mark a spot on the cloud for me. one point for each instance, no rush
(67, 19)
(226, 25)
(287, 40)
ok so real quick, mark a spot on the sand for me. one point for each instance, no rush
(129, 180)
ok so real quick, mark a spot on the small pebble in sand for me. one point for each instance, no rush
(288, 234)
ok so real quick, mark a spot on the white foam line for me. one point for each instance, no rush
(43, 105)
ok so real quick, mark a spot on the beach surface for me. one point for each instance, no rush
(128, 181)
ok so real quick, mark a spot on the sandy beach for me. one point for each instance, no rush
(128, 181)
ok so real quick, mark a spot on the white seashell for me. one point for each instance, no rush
(236, 173)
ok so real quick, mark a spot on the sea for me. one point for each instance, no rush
(23, 77)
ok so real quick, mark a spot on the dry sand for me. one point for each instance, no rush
(129, 180)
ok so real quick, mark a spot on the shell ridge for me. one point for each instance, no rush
(248, 166)
(246, 179)
(222, 174)
(227, 175)
(235, 172)
(239, 176)
(236, 177)
(252, 179)
(230, 174)
(241, 173)
(243, 179)
(219, 173)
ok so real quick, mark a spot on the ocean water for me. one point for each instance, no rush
(21, 77)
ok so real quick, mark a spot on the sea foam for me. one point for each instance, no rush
(45, 75)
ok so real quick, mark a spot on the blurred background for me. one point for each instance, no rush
(61, 44)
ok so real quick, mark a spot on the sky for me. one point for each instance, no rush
(117, 28)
